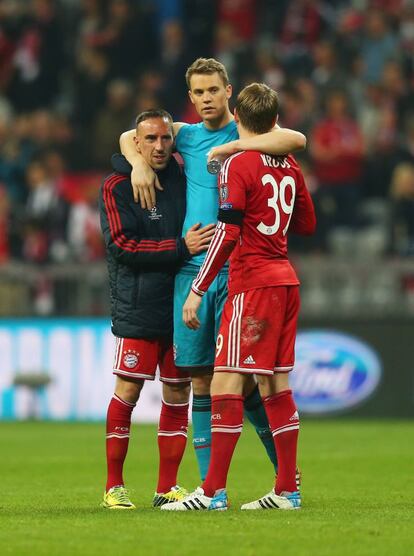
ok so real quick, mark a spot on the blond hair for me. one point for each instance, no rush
(257, 107)
(206, 66)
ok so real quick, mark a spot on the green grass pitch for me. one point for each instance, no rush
(357, 495)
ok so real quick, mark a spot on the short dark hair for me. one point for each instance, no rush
(257, 107)
(155, 113)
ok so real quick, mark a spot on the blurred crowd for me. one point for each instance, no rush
(74, 74)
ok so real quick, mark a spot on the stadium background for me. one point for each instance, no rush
(73, 75)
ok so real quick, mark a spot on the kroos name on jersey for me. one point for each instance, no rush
(333, 372)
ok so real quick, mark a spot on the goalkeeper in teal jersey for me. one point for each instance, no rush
(216, 134)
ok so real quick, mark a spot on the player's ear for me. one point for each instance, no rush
(229, 90)
(190, 94)
(236, 116)
(137, 143)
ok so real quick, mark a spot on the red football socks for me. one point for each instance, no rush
(172, 438)
(118, 423)
(226, 427)
(284, 422)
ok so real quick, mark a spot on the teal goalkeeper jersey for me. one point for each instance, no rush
(193, 142)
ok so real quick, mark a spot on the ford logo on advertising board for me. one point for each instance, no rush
(333, 371)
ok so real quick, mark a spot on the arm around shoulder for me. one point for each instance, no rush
(127, 146)
(177, 126)
(143, 178)
(276, 142)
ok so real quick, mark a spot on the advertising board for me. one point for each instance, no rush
(357, 369)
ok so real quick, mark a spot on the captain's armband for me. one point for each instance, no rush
(231, 216)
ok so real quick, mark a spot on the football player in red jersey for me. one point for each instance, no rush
(261, 198)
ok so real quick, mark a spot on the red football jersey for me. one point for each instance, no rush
(261, 198)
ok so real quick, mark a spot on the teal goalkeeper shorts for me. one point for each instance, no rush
(196, 348)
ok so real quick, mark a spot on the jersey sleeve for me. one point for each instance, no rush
(232, 191)
(122, 239)
(181, 139)
(224, 241)
(303, 221)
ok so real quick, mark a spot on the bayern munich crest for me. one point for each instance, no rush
(130, 359)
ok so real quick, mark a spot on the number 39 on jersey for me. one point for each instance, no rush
(279, 203)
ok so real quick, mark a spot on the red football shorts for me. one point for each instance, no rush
(139, 358)
(258, 331)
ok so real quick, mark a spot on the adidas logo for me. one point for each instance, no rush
(295, 417)
(249, 361)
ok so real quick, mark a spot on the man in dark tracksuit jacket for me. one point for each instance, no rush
(144, 251)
